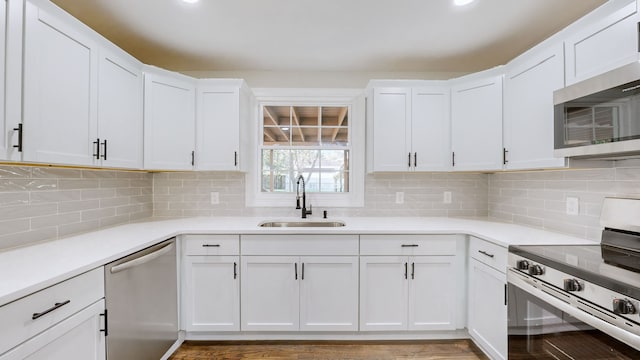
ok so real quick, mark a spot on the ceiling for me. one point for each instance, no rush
(327, 35)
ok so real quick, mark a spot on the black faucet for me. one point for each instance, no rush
(305, 212)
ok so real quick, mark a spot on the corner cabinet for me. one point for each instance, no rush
(169, 120)
(410, 128)
(222, 123)
(530, 81)
(487, 297)
(293, 282)
(476, 122)
(608, 43)
(211, 283)
(415, 285)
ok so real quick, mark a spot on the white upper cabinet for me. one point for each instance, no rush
(410, 128)
(476, 122)
(530, 81)
(82, 95)
(119, 110)
(60, 88)
(223, 108)
(605, 44)
(5, 125)
(169, 120)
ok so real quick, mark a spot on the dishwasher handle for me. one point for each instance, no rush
(143, 259)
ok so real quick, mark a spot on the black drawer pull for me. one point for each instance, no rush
(485, 253)
(210, 245)
(54, 307)
(409, 245)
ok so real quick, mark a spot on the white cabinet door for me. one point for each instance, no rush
(11, 59)
(76, 338)
(329, 293)
(270, 293)
(59, 90)
(169, 121)
(212, 300)
(391, 129)
(6, 127)
(605, 45)
(433, 302)
(383, 292)
(476, 116)
(487, 322)
(218, 124)
(119, 111)
(528, 105)
(430, 128)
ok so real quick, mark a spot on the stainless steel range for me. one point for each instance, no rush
(579, 301)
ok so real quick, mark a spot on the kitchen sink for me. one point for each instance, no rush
(302, 224)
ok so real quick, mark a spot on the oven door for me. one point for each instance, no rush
(541, 326)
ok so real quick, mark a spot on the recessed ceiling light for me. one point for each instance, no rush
(190, 1)
(462, 2)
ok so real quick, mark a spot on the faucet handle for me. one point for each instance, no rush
(310, 208)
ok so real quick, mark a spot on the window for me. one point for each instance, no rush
(307, 141)
(316, 134)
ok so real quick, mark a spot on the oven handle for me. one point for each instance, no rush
(627, 337)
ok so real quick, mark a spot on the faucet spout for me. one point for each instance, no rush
(305, 212)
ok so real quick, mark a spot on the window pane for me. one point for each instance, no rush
(276, 176)
(306, 123)
(335, 171)
(277, 125)
(335, 125)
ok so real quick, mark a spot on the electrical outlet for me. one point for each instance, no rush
(215, 198)
(400, 197)
(573, 205)
(446, 197)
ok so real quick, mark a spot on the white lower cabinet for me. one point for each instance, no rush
(487, 298)
(291, 293)
(212, 293)
(76, 338)
(408, 293)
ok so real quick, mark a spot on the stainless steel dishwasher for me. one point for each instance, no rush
(141, 298)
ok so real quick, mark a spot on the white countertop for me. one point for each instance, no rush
(29, 269)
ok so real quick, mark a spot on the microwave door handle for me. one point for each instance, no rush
(141, 260)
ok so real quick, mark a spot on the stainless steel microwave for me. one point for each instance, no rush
(599, 117)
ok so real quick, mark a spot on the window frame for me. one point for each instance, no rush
(352, 98)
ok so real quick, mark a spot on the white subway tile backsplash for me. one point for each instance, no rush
(45, 203)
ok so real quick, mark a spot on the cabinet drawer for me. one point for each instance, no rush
(211, 244)
(408, 244)
(299, 245)
(63, 299)
(489, 253)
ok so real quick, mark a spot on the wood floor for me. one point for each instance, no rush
(334, 350)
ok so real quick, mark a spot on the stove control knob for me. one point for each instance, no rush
(572, 285)
(536, 270)
(522, 265)
(623, 306)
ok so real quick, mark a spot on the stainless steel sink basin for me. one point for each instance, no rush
(302, 224)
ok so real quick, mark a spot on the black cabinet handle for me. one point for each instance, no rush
(235, 270)
(413, 270)
(302, 275)
(104, 155)
(193, 158)
(415, 159)
(485, 253)
(55, 306)
(505, 294)
(504, 156)
(106, 323)
(453, 159)
(210, 245)
(97, 144)
(409, 159)
(235, 158)
(295, 266)
(19, 130)
(406, 270)
(409, 245)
